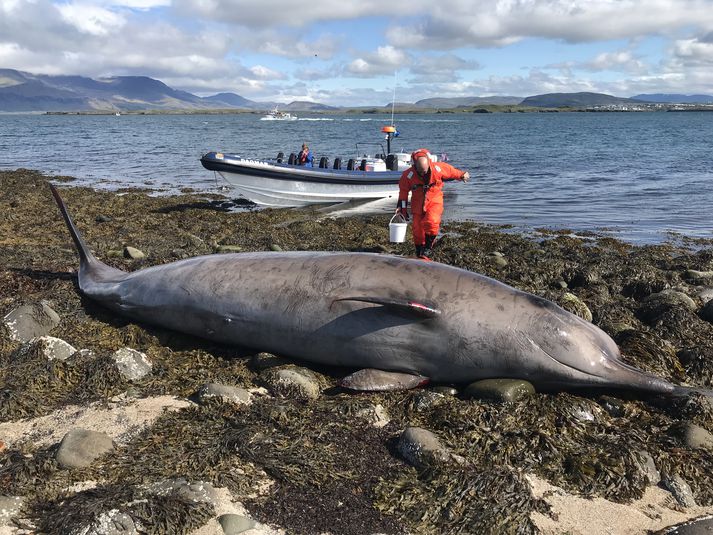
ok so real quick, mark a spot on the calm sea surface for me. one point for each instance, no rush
(637, 175)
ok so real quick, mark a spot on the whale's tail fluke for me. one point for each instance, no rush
(86, 258)
(89, 266)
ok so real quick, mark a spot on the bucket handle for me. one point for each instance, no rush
(398, 214)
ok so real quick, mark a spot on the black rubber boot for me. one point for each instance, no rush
(419, 250)
(427, 251)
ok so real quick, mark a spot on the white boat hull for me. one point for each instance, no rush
(283, 193)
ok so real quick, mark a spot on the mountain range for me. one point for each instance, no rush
(25, 92)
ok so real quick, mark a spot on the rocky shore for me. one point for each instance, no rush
(112, 427)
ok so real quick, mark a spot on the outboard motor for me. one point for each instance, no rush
(280, 156)
(292, 159)
(392, 162)
(362, 166)
(337, 163)
(323, 162)
(350, 164)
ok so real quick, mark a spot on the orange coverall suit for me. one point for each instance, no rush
(426, 202)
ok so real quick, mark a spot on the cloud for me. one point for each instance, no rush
(695, 52)
(458, 23)
(259, 14)
(48, 39)
(615, 61)
(622, 60)
(437, 68)
(91, 19)
(261, 72)
(290, 44)
(311, 74)
(385, 60)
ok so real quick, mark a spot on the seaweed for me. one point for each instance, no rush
(329, 469)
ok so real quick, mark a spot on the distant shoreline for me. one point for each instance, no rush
(372, 111)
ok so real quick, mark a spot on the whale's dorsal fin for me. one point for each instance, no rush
(426, 310)
(372, 380)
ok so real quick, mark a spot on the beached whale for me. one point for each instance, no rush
(416, 320)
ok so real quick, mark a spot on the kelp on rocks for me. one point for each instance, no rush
(325, 456)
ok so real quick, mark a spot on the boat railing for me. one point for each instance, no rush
(361, 154)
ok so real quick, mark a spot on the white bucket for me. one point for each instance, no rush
(397, 230)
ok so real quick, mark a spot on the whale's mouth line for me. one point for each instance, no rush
(535, 344)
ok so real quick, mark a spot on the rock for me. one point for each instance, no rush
(697, 526)
(232, 394)
(698, 277)
(101, 218)
(132, 365)
(613, 406)
(179, 253)
(706, 294)
(445, 390)
(80, 447)
(112, 522)
(575, 305)
(616, 327)
(197, 492)
(263, 361)
(275, 247)
(561, 284)
(426, 399)
(293, 382)
(235, 524)
(133, 253)
(49, 347)
(497, 259)
(31, 321)
(582, 413)
(500, 389)
(657, 303)
(421, 448)
(647, 466)
(228, 249)
(706, 312)
(583, 278)
(10, 507)
(115, 253)
(376, 415)
(677, 486)
(695, 436)
(84, 354)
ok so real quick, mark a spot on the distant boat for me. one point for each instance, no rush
(277, 115)
(118, 114)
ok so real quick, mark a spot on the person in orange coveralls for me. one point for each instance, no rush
(424, 179)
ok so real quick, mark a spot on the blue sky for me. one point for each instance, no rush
(343, 53)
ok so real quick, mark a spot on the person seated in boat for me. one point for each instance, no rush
(424, 181)
(305, 156)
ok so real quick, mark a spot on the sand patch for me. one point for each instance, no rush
(597, 516)
(121, 419)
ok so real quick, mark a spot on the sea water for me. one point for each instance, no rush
(638, 176)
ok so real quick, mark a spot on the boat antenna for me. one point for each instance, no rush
(393, 100)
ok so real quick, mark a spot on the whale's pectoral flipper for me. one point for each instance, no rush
(370, 379)
(426, 310)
